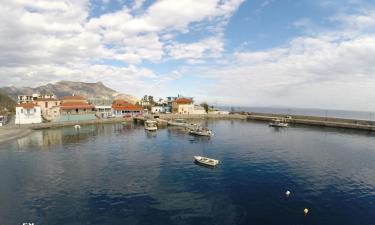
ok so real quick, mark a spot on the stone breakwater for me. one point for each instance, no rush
(316, 121)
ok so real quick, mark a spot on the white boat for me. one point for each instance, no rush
(150, 125)
(201, 132)
(206, 161)
(278, 123)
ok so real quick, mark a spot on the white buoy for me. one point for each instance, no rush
(287, 193)
(306, 210)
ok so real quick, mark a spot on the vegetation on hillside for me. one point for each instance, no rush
(6, 103)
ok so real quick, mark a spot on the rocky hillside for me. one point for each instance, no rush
(65, 88)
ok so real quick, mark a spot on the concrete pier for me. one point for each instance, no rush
(316, 121)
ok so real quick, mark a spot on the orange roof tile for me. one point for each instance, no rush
(124, 105)
(76, 105)
(26, 105)
(183, 101)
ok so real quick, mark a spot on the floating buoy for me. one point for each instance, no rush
(77, 126)
(287, 193)
(306, 210)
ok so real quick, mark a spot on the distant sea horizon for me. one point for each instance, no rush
(345, 114)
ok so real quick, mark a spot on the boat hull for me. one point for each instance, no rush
(206, 134)
(151, 128)
(278, 125)
(206, 161)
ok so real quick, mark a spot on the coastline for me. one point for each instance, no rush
(8, 134)
(11, 132)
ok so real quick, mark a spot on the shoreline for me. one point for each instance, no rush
(8, 134)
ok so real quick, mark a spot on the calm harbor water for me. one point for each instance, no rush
(120, 174)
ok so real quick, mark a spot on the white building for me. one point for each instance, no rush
(157, 109)
(27, 113)
(33, 97)
(24, 99)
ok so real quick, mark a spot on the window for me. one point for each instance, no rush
(34, 110)
(21, 110)
(46, 104)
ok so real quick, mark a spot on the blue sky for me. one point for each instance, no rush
(315, 54)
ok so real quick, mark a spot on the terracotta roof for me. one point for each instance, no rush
(183, 101)
(75, 97)
(26, 105)
(76, 105)
(124, 105)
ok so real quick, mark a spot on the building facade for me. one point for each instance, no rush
(103, 106)
(28, 113)
(183, 106)
(121, 108)
(33, 97)
(50, 107)
(158, 109)
(75, 105)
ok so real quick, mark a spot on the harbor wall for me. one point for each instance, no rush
(201, 116)
(316, 121)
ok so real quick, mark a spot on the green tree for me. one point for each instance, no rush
(151, 100)
(205, 106)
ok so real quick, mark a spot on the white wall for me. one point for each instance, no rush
(157, 109)
(28, 116)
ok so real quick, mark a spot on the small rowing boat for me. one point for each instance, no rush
(206, 161)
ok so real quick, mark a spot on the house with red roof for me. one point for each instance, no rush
(28, 113)
(183, 106)
(121, 108)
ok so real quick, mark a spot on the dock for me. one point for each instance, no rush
(316, 121)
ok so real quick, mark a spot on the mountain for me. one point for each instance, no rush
(6, 103)
(66, 88)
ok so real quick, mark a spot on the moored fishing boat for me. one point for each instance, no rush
(150, 125)
(201, 132)
(278, 123)
(206, 161)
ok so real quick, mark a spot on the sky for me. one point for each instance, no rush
(288, 53)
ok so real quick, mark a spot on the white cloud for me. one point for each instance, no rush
(49, 40)
(321, 72)
(209, 47)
